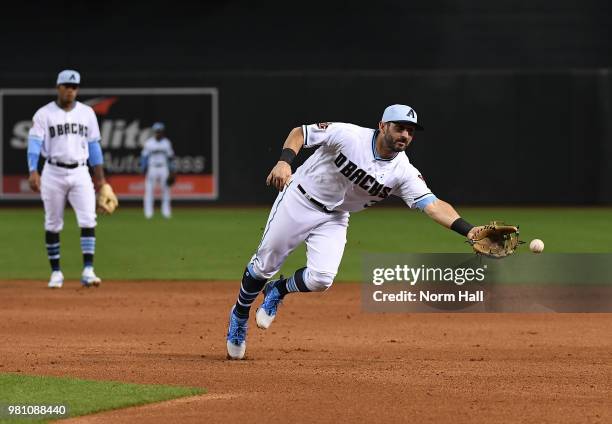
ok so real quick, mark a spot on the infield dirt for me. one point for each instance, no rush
(323, 359)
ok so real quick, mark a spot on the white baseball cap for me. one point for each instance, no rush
(68, 76)
(158, 126)
(401, 113)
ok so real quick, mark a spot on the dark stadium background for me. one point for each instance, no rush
(516, 96)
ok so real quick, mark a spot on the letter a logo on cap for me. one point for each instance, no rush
(69, 76)
(401, 113)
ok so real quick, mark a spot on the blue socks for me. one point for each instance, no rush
(88, 245)
(249, 289)
(53, 249)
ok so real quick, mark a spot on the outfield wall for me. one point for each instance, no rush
(531, 137)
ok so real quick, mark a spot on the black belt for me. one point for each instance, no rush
(314, 201)
(65, 165)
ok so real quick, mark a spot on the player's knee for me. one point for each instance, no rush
(318, 281)
(87, 221)
(54, 226)
(264, 270)
(259, 270)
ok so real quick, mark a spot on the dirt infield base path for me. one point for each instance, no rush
(323, 359)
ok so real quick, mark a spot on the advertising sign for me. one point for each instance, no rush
(125, 117)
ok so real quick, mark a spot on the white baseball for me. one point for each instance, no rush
(536, 246)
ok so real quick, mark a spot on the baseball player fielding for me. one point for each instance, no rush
(353, 168)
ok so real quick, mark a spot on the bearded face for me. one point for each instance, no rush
(397, 136)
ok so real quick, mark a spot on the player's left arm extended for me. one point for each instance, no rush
(496, 240)
(444, 214)
(441, 212)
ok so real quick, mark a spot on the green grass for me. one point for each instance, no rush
(216, 243)
(80, 396)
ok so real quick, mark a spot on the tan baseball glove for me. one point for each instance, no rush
(107, 201)
(495, 240)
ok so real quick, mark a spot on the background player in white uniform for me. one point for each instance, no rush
(157, 161)
(354, 168)
(67, 135)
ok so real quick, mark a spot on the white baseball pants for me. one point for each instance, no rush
(293, 220)
(157, 175)
(58, 184)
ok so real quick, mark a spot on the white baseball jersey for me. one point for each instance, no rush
(65, 134)
(157, 152)
(347, 174)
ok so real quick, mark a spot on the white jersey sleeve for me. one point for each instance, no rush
(38, 129)
(322, 134)
(412, 188)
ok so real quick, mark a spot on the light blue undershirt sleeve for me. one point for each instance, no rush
(171, 163)
(420, 205)
(34, 146)
(95, 153)
(144, 161)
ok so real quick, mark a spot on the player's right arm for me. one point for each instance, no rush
(281, 173)
(144, 158)
(35, 141)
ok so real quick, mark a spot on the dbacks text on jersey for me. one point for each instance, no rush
(360, 177)
(73, 128)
